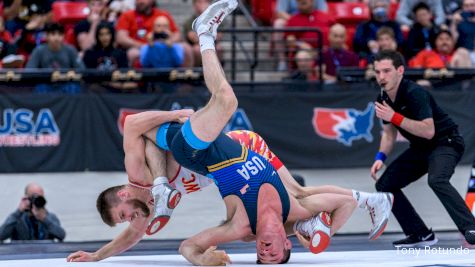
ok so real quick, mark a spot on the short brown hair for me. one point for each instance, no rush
(385, 31)
(106, 200)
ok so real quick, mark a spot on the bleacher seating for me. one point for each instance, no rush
(264, 10)
(351, 13)
(70, 12)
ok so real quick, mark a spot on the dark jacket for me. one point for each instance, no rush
(20, 226)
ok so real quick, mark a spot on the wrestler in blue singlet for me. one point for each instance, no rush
(235, 169)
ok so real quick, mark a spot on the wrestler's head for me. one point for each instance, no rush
(272, 245)
(115, 206)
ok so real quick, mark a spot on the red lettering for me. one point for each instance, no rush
(190, 188)
(193, 178)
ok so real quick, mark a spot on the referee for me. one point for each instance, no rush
(435, 148)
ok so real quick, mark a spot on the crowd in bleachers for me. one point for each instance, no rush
(108, 35)
(429, 33)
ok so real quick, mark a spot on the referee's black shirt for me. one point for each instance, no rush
(414, 102)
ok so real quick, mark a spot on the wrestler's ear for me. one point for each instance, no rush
(288, 244)
(123, 194)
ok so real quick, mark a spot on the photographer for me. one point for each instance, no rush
(463, 25)
(32, 221)
(161, 52)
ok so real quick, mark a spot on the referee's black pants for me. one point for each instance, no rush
(439, 163)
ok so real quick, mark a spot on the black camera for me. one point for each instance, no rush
(160, 35)
(37, 201)
(467, 15)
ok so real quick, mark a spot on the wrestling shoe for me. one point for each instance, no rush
(165, 200)
(379, 207)
(211, 18)
(317, 229)
(416, 240)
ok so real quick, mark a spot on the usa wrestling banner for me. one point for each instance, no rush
(325, 129)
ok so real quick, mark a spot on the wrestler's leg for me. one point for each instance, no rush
(340, 206)
(209, 121)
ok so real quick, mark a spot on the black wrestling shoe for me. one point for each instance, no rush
(416, 240)
(470, 236)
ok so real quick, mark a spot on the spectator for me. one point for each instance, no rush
(364, 42)
(284, 10)
(27, 14)
(134, 25)
(161, 52)
(55, 54)
(306, 67)
(104, 56)
(8, 49)
(337, 55)
(117, 7)
(32, 221)
(463, 25)
(85, 30)
(308, 16)
(443, 56)
(405, 18)
(192, 38)
(422, 31)
(385, 40)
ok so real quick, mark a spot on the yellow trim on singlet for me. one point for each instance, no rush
(229, 162)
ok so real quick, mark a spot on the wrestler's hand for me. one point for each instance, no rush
(213, 257)
(304, 241)
(184, 115)
(377, 165)
(81, 256)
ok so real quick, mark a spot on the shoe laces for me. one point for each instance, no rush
(216, 19)
(372, 212)
(307, 227)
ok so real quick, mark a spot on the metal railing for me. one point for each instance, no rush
(251, 55)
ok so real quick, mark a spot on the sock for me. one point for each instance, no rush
(206, 42)
(298, 227)
(361, 197)
(160, 180)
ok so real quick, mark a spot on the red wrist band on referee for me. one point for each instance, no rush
(397, 119)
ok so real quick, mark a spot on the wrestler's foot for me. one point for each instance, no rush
(318, 230)
(165, 199)
(379, 207)
(211, 18)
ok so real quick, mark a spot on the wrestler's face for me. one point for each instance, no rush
(129, 210)
(272, 246)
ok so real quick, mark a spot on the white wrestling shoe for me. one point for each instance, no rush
(211, 18)
(317, 229)
(379, 207)
(165, 199)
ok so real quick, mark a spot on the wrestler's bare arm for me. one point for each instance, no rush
(156, 159)
(127, 239)
(134, 145)
(201, 248)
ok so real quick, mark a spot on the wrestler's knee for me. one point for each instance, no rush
(226, 97)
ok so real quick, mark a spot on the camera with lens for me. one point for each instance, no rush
(160, 36)
(37, 201)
